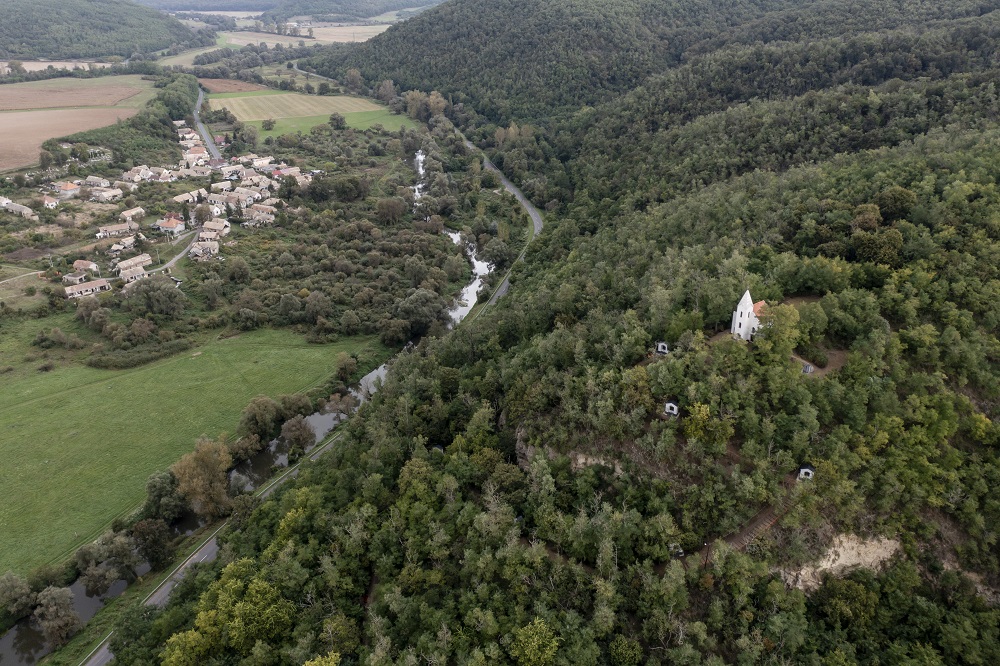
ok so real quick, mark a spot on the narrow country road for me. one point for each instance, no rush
(536, 219)
(102, 655)
(205, 135)
(187, 248)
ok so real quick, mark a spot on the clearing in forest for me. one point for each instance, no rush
(78, 443)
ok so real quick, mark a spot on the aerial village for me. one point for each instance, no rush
(246, 189)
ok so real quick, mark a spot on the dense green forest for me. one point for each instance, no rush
(60, 29)
(528, 60)
(514, 495)
(286, 9)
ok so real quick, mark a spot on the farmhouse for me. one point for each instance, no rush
(49, 202)
(140, 261)
(87, 288)
(113, 230)
(75, 278)
(170, 225)
(23, 211)
(84, 265)
(132, 215)
(133, 274)
(126, 243)
(217, 225)
(208, 236)
(96, 181)
(66, 190)
(106, 195)
(746, 317)
(204, 250)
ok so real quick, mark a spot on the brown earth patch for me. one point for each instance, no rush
(22, 97)
(25, 254)
(229, 86)
(23, 132)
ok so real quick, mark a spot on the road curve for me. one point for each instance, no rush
(537, 220)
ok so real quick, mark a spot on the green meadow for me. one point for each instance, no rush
(78, 443)
(360, 120)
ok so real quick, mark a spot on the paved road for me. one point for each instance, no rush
(207, 553)
(205, 134)
(295, 66)
(187, 248)
(536, 219)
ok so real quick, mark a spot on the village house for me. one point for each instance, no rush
(247, 192)
(18, 209)
(218, 226)
(106, 195)
(87, 288)
(96, 181)
(223, 186)
(171, 224)
(75, 278)
(746, 317)
(140, 261)
(126, 185)
(208, 236)
(84, 265)
(4, 202)
(131, 275)
(124, 244)
(260, 208)
(204, 250)
(49, 202)
(132, 215)
(66, 190)
(114, 230)
(138, 174)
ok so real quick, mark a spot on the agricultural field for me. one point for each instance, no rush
(40, 65)
(295, 112)
(348, 33)
(78, 443)
(32, 112)
(219, 86)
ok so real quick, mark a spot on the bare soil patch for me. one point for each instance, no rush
(23, 132)
(60, 93)
(348, 33)
(229, 86)
(847, 552)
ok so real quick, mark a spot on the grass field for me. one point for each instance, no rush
(32, 112)
(294, 112)
(40, 65)
(361, 120)
(78, 443)
(255, 106)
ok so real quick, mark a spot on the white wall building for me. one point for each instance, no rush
(746, 318)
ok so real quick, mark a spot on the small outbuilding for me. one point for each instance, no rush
(671, 409)
(662, 348)
(806, 472)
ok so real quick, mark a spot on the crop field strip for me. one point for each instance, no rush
(78, 442)
(291, 105)
(32, 112)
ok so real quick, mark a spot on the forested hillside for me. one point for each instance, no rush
(60, 29)
(515, 493)
(285, 9)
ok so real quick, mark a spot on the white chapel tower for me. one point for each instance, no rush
(745, 318)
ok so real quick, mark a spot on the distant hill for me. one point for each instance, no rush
(284, 9)
(522, 58)
(60, 29)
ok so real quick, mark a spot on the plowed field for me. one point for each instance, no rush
(23, 132)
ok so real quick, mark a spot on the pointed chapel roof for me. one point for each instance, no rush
(746, 303)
